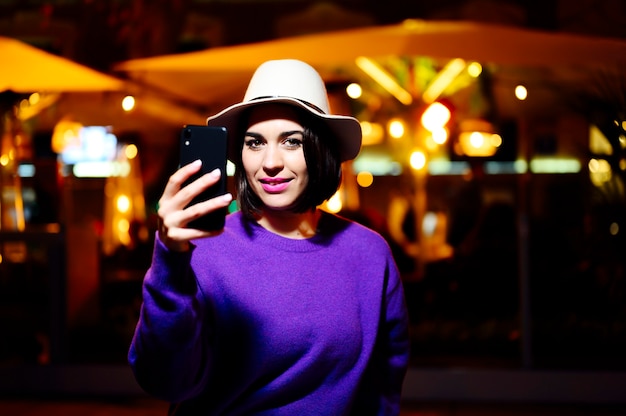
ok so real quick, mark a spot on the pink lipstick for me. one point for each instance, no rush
(274, 185)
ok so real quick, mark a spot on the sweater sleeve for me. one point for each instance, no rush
(169, 350)
(396, 330)
(380, 393)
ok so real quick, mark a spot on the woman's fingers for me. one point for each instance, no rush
(174, 213)
(176, 181)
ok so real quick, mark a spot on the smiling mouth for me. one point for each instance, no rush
(274, 185)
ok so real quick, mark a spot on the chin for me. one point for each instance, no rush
(282, 208)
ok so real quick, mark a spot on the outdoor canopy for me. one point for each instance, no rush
(77, 91)
(218, 75)
(26, 69)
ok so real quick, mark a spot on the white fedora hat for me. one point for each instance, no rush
(296, 83)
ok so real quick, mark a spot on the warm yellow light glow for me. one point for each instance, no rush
(128, 103)
(599, 171)
(123, 225)
(429, 144)
(474, 69)
(124, 238)
(435, 116)
(23, 105)
(122, 203)
(417, 160)
(521, 93)
(495, 140)
(366, 127)
(384, 79)
(598, 143)
(440, 135)
(32, 106)
(396, 128)
(334, 204)
(131, 151)
(354, 90)
(476, 139)
(34, 98)
(65, 132)
(373, 133)
(594, 165)
(614, 228)
(439, 84)
(4, 160)
(477, 143)
(364, 179)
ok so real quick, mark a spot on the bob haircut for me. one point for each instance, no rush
(323, 162)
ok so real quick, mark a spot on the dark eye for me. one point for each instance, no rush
(293, 142)
(253, 143)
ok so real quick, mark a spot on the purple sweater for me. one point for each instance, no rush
(252, 323)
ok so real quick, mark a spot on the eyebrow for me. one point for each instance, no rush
(283, 134)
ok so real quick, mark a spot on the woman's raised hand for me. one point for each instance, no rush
(173, 210)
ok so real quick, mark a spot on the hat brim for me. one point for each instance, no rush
(346, 129)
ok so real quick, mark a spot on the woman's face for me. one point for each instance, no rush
(273, 156)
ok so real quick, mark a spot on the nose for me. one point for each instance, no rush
(272, 160)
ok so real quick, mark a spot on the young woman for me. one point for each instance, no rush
(288, 310)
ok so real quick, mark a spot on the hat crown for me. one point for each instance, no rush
(288, 78)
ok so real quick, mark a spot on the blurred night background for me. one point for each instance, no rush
(513, 251)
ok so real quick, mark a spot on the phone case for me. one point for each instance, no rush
(209, 144)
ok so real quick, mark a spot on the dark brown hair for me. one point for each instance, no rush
(323, 162)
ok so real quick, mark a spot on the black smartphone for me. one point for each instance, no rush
(209, 144)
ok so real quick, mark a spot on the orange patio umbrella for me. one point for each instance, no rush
(219, 75)
(26, 68)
